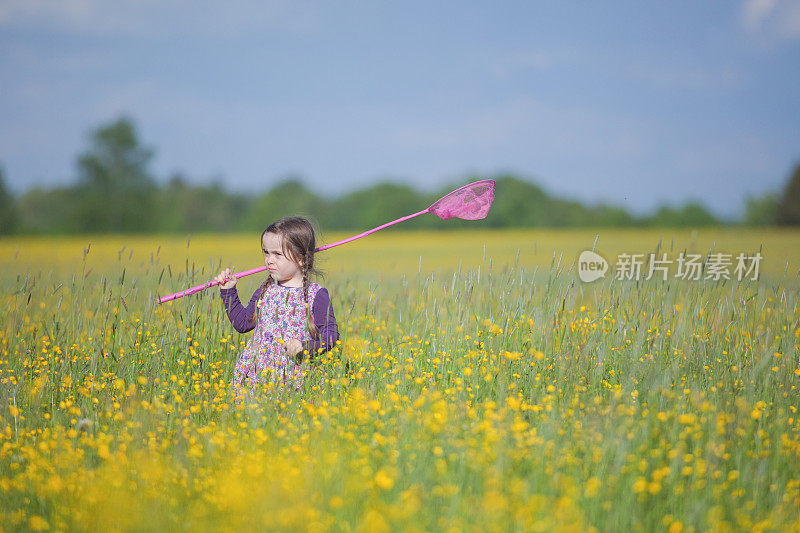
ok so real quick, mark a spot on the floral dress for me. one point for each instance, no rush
(281, 316)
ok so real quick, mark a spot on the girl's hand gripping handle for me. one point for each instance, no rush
(226, 279)
(231, 283)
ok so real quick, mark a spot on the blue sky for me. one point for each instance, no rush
(632, 103)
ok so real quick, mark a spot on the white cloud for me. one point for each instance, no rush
(754, 12)
(771, 21)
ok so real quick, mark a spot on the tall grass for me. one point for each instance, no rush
(478, 385)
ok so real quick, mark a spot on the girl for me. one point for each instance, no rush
(293, 317)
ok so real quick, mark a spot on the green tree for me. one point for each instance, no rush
(8, 209)
(518, 203)
(185, 207)
(367, 208)
(610, 216)
(761, 210)
(290, 197)
(691, 215)
(116, 192)
(49, 210)
(789, 208)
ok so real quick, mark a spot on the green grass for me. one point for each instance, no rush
(479, 385)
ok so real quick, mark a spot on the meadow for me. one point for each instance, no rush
(479, 385)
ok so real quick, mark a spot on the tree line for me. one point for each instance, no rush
(115, 192)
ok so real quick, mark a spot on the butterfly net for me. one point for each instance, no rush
(470, 202)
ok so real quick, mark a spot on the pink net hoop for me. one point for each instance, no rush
(470, 202)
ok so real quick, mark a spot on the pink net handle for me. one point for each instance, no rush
(470, 202)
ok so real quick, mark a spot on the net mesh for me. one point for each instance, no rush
(470, 202)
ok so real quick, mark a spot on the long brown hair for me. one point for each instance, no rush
(299, 244)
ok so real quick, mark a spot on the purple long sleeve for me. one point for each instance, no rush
(237, 313)
(325, 321)
(321, 311)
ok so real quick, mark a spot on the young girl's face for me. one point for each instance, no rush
(281, 266)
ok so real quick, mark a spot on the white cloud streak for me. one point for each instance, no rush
(771, 21)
